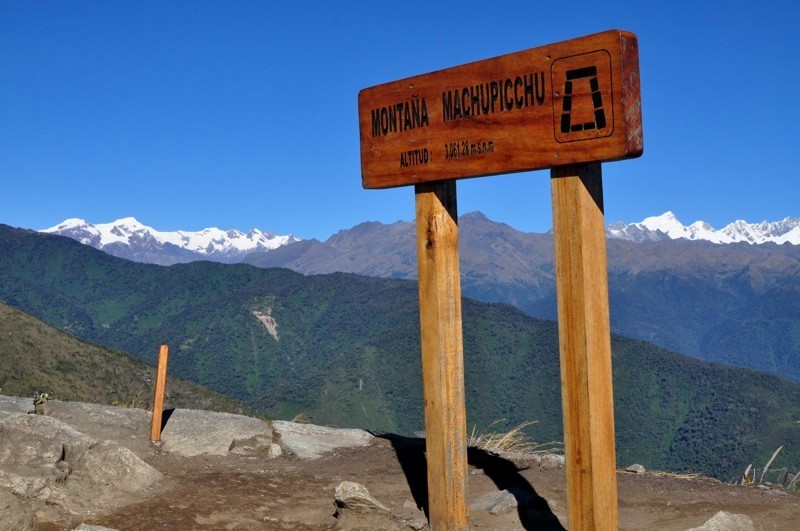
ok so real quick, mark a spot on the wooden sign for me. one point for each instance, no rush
(567, 106)
(572, 102)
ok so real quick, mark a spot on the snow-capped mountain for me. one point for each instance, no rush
(667, 226)
(130, 239)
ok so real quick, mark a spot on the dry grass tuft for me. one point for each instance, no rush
(512, 441)
(771, 459)
(749, 476)
(790, 486)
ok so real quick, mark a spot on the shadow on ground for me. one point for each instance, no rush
(533, 510)
(165, 417)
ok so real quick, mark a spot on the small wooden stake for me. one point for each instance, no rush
(442, 355)
(158, 400)
(585, 346)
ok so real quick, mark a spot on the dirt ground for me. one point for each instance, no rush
(253, 492)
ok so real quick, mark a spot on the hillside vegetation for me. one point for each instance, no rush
(344, 350)
(736, 303)
(36, 358)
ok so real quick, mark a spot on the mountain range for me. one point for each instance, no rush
(737, 303)
(667, 226)
(130, 239)
(344, 349)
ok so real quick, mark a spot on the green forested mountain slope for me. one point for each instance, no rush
(37, 358)
(344, 349)
(732, 303)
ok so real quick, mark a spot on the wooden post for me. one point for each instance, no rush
(158, 400)
(442, 355)
(585, 346)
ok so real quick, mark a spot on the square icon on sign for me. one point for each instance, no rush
(583, 103)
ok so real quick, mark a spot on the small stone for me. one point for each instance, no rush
(502, 501)
(417, 523)
(356, 498)
(551, 462)
(274, 451)
(725, 521)
(636, 468)
(356, 508)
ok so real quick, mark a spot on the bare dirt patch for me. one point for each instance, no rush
(268, 321)
(253, 492)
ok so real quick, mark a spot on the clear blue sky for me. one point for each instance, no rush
(242, 114)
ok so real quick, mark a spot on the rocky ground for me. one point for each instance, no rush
(83, 465)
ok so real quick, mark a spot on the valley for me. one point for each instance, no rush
(346, 353)
(727, 295)
(735, 303)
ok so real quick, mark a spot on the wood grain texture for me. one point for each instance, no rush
(158, 398)
(442, 355)
(585, 346)
(480, 119)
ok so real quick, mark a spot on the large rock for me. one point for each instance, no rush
(120, 468)
(34, 452)
(13, 514)
(128, 426)
(725, 521)
(309, 441)
(48, 461)
(11, 405)
(191, 432)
